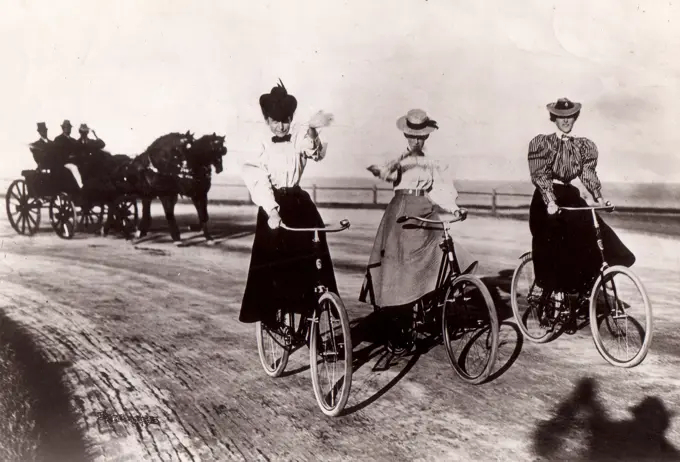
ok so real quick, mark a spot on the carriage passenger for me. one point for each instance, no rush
(63, 149)
(88, 144)
(282, 270)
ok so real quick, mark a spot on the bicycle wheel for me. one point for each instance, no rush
(470, 328)
(330, 354)
(621, 317)
(528, 304)
(274, 343)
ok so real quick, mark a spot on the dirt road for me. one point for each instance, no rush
(159, 368)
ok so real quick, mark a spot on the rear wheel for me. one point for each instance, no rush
(470, 328)
(274, 343)
(63, 216)
(529, 304)
(330, 354)
(23, 211)
(621, 317)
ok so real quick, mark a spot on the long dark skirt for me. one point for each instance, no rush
(283, 271)
(405, 260)
(564, 247)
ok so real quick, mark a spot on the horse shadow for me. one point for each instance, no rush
(221, 229)
(580, 429)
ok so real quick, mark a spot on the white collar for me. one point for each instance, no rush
(560, 134)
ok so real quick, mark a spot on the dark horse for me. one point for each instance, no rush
(104, 182)
(185, 171)
(156, 173)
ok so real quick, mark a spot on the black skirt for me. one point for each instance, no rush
(283, 271)
(564, 246)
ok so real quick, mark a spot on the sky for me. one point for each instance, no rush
(485, 70)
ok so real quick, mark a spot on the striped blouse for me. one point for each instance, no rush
(562, 157)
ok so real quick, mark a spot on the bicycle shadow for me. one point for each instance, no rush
(581, 430)
(370, 330)
(510, 338)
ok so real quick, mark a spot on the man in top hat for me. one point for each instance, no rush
(40, 148)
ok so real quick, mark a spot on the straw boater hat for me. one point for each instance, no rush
(278, 104)
(417, 123)
(42, 126)
(66, 123)
(563, 108)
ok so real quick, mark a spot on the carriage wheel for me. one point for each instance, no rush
(23, 211)
(63, 216)
(91, 219)
(127, 215)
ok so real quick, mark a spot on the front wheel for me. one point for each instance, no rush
(330, 354)
(274, 342)
(621, 317)
(470, 328)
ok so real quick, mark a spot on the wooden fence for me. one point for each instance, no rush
(495, 202)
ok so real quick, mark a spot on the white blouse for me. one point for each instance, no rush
(419, 172)
(279, 165)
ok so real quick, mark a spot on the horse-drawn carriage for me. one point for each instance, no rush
(68, 210)
(174, 164)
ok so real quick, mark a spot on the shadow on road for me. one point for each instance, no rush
(35, 402)
(581, 430)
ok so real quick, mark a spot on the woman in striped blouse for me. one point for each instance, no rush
(564, 247)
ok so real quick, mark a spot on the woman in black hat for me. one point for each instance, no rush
(404, 263)
(564, 248)
(282, 266)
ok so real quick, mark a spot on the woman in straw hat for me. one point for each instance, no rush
(405, 259)
(282, 265)
(565, 253)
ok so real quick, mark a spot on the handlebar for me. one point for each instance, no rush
(461, 217)
(344, 224)
(606, 208)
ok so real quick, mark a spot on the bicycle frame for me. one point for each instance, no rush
(600, 245)
(302, 331)
(449, 267)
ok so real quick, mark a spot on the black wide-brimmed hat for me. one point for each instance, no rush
(278, 104)
(563, 108)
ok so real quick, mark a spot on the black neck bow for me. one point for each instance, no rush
(281, 139)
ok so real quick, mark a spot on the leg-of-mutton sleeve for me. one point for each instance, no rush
(256, 178)
(443, 192)
(588, 175)
(540, 167)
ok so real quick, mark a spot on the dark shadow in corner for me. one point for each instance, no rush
(582, 418)
(56, 431)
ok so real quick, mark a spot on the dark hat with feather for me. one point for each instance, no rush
(278, 104)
